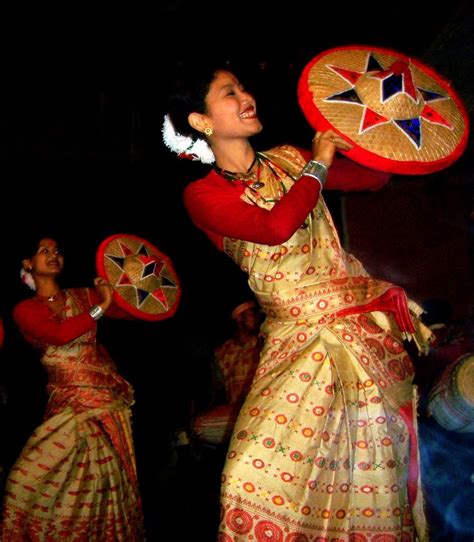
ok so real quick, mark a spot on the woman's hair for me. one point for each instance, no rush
(30, 243)
(190, 88)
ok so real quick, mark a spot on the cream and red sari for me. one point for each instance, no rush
(76, 477)
(325, 446)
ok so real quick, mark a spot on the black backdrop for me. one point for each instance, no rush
(81, 106)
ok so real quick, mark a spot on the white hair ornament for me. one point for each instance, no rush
(185, 146)
(27, 278)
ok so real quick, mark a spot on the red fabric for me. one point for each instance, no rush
(215, 206)
(394, 301)
(406, 412)
(348, 176)
(39, 325)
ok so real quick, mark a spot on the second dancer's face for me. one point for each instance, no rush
(232, 111)
(48, 260)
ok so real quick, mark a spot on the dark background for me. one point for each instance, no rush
(82, 96)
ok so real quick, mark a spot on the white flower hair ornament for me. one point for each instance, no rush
(185, 146)
(27, 278)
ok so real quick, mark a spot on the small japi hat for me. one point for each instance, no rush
(144, 280)
(398, 114)
(242, 308)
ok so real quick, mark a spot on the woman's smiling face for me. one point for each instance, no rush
(231, 110)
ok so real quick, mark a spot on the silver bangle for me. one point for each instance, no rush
(316, 169)
(96, 312)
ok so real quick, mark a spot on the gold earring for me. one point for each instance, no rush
(208, 131)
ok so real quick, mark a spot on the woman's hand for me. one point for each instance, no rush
(325, 145)
(104, 291)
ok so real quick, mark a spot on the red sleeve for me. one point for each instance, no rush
(38, 324)
(219, 210)
(347, 175)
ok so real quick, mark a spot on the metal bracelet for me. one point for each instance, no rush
(316, 169)
(96, 312)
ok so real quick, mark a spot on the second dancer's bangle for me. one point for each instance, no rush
(96, 312)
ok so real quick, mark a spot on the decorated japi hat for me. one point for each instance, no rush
(398, 114)
(144, 280)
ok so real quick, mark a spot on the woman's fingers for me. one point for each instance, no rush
(102, 284)
(342, 144)
(325, 145)
(336, 139)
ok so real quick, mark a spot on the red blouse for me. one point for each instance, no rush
(41, 326)
(215, 206)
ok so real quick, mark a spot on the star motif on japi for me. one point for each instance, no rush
(145, 272)
(396, 82)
